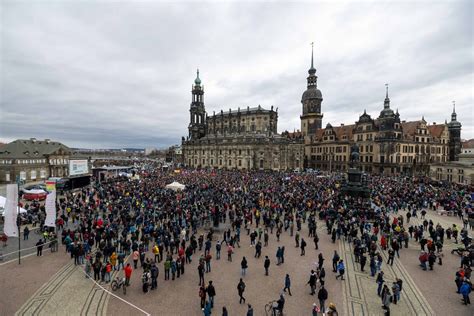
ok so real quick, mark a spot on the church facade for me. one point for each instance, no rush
(238, 139)
(248, 139)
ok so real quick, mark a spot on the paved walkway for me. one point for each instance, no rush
(68, 292)
(360, 289)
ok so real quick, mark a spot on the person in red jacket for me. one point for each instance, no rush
(423, 259)
(128, 274)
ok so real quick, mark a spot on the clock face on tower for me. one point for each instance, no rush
(312, 105)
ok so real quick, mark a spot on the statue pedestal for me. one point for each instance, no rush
(355, 185)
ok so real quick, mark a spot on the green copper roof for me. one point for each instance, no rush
(197, 80)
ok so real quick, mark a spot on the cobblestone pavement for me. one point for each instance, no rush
(68, 292)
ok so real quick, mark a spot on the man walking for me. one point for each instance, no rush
(335, 260)
(266, 264)
(211, 292)
(363, 261)
(303, 246)
(312, 282)
(154, 276)
(391, 256)
(322, 297)
(287, 284)
(240, 290)
(380, 281)
(341, 269)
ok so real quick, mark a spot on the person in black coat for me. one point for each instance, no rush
(266, 264)
(322, 297)
(39, 247)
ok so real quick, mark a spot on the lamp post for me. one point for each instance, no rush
(18, 219)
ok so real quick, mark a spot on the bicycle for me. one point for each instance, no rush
(271, 309)
(119, 283)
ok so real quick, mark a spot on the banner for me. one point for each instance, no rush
(50, 206)
(50, 185)
(11, 211)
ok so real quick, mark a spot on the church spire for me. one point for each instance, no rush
(454, 115)
(312, 70)
(386, 103)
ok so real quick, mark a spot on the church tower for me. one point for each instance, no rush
(454, 128)
(311, 119)
(197, 125)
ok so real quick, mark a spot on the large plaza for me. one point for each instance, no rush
(53, 284)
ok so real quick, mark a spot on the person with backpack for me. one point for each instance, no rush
(341, 269)
(312, 282)
(240, 290)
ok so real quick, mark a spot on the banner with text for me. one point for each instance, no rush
(11, 211)
(50, 205)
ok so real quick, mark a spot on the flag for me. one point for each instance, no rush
(50, 205)
(50, 186)
(11, 211)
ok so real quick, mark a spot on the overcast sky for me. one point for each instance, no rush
(104, 74)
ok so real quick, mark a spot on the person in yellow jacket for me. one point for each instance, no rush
(113, 260)
(156, 252)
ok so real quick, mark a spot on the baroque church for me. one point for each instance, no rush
(244, 138)
(247, 138)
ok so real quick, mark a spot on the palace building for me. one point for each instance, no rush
(247, 138)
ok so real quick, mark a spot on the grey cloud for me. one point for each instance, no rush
(113, 74)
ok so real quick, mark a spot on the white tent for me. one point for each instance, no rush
(3, 200)
(175, 186)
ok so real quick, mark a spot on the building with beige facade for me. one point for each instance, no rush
(247, 138)
(460, 171)
(238, 139)
(35, 160)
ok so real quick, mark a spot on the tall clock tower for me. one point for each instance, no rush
(311, 119)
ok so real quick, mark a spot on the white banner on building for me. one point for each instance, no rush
(11, 211)
(50, 206)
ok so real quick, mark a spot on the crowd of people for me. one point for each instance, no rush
(165, 230)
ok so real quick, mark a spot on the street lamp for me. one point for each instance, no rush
(18, 218)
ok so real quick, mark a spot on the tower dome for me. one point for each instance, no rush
(312, 91)
(197, 81)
